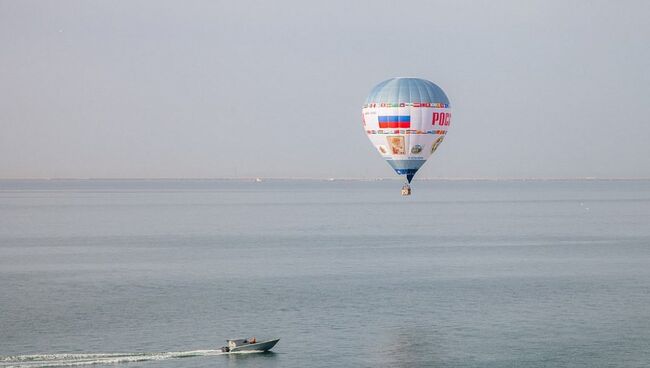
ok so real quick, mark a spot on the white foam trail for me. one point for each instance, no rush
(70, 360)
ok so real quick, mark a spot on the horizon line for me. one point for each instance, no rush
(298, 178)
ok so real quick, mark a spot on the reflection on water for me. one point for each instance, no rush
(266, 359)
(410, 348)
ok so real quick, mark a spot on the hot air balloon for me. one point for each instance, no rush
(406, 119)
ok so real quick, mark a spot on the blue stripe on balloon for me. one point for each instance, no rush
(407, 90)
(395, 119)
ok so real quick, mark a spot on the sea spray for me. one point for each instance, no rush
(76, 359)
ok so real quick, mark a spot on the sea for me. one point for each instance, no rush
(347, 273)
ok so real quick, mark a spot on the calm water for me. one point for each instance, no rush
(348, 274)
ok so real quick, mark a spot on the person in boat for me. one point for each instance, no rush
(252, 340)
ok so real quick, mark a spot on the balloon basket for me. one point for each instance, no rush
(406, 190)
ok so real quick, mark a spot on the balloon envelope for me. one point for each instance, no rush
(406, 119)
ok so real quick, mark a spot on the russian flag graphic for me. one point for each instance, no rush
(395, 121)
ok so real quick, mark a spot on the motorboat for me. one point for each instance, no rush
(248, 345)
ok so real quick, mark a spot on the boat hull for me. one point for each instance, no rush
(260, 346)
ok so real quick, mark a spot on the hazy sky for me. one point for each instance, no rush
(275, 88)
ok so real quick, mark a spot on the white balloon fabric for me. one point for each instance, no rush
(406, 119)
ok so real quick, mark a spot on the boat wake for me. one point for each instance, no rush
(70, 360)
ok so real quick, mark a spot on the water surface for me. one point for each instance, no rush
(346, 273)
